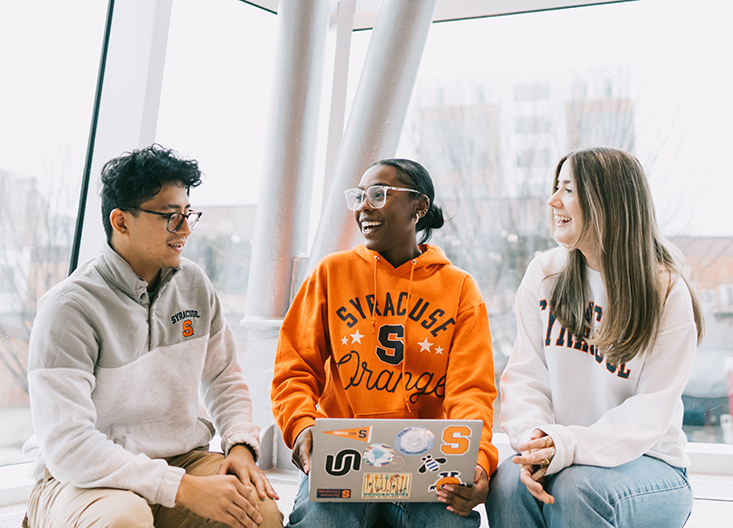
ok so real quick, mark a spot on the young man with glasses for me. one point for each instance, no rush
(120, 353)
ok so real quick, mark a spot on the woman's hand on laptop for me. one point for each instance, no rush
(462, 499)
(302, 450)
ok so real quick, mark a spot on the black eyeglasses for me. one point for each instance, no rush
(175, 220)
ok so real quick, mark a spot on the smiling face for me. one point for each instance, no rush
(142, 239)
(390, 230)
(568, 218)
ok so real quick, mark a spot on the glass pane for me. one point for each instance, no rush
(49, 64)
(500, 100)
(214, 103)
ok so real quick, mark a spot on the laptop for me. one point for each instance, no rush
(372, 460)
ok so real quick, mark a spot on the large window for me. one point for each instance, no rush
(49, 66)
(497, 103)
(214, 106)
(500, 100)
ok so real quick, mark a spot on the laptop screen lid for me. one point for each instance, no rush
(372, 460)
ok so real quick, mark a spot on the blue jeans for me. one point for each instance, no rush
(645, 492)
(307, 514)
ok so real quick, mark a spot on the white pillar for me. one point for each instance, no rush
(344, 24)
(283, 209)
(378, 114)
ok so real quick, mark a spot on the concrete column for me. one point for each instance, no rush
(378, 114)
(344, 25)
(283, 209)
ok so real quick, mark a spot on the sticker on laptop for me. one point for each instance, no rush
(333, 493)
(414, 441)
(397, 463)
(446, 478)
(456, 440)
(378, 455)
(357, 433)
(431, 464)
(392, 486)
(344, 461)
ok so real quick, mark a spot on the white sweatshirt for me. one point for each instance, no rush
(115, 377)
(596, 413)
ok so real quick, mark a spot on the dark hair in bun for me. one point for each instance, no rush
(415, 176)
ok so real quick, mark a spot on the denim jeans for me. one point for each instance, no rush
(307, 514)
(645, 492)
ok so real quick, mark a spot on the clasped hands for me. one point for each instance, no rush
(536, 456)
(231, 495)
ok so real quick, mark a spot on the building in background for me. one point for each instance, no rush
(491, 143)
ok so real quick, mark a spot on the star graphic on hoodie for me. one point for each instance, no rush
(345, 340)
(425, 345)
(356, 338)
(439, 350)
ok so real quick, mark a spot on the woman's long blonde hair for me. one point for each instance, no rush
(638, 265)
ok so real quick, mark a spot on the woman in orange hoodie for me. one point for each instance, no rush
(390, 329)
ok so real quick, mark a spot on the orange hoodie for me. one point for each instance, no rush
(365, 339)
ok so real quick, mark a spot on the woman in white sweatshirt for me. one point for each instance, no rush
(607, 328)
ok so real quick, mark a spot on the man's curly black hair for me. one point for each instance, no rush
(135, 177)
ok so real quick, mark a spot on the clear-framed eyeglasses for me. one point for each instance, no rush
(174, 220)
(375, 196)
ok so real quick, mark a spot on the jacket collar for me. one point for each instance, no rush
(115, 270)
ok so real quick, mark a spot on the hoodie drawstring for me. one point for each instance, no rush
(374, 308)
(413, 263)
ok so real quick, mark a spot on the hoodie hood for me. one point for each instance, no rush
(430, 261)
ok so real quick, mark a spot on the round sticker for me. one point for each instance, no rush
(413, 441)
(378, 455)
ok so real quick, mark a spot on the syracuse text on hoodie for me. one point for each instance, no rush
(598, 413)
(365, 339)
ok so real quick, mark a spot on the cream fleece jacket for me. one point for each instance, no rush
(116, 377)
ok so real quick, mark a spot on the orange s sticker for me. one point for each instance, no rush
(187, 328)
(456, 440)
